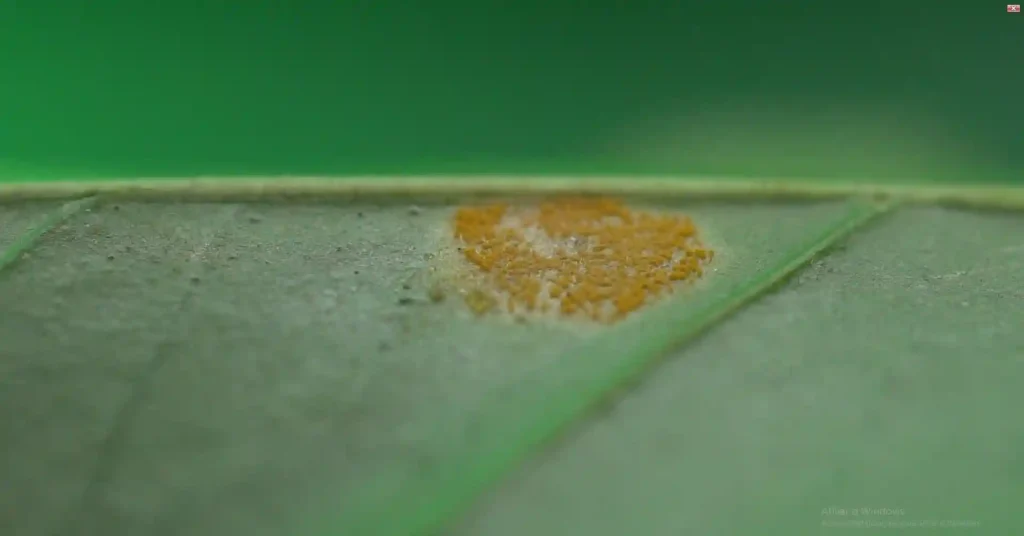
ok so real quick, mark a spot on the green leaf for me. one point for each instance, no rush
(294, 347)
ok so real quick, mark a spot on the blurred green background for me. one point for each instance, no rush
(868, 90)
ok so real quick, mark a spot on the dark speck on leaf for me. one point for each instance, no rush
(405, 301)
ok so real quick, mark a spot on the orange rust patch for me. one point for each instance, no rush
(590, 257)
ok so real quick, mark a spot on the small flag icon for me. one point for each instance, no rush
(1013, 8)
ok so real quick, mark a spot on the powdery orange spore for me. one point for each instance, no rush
(590, 257)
